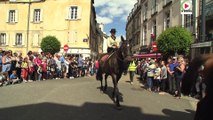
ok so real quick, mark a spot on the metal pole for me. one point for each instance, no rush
(28, 25)
(203, 21)
(194, 17)
(183, 15)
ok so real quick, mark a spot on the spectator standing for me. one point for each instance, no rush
(171, 78)
(24, 67)
(132, 69)
(150, 74)
(163, 76)
(31, 71)
(80, 65)
(1, 55)
(157, 77)
(18, 65)
(179, 71)
(6, 65)
(44, 68)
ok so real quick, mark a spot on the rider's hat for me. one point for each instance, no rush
(113, 30)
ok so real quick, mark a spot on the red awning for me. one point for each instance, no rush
(150, 55)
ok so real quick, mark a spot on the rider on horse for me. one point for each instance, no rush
(112, 42)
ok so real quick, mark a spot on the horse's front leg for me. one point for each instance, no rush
(116, 91)
(100, 77)
(105, 87)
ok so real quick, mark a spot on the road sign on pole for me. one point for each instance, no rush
(186, 7)
(66, 48)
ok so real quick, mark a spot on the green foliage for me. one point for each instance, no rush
(50, 44)
(174, 40)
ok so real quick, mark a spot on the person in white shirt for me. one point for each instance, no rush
(112, 43)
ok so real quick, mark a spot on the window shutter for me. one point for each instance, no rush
(7, 39)
(23, 39)
(16, 16)
(68, 13)
(35, 39)
(7, 17)
(79, 12)
(32, 15)
(41, 14)
(14, 40)
(72, 36)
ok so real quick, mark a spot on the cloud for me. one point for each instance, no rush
(109, 9)
(105, 20)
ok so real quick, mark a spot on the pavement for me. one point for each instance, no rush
(81, 99)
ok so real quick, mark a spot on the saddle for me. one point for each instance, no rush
(106, 57)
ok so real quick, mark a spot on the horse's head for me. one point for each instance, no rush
(125, 49)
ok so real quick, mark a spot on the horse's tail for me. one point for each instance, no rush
(191, 74)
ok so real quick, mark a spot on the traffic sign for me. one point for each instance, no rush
(66, 48)
(186, 6)
(154, 46)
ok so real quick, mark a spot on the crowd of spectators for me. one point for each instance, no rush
(165, 76)
(14, 68)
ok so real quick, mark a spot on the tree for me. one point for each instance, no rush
(174, 40)
(50, 44)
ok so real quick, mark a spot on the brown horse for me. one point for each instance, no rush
(204, 107)
(115, 64)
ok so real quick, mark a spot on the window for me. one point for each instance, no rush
(73, 36)
(167, 20)
(154, 7)
(144, 34)
(154, 30)
(73, 12)
(188, 20)
(3, 39)
(12, 16)
(37, 15)
(145, 11)
(18, 39)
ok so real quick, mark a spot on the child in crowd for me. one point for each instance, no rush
(44, 69)
(24, 67)
(13, 77)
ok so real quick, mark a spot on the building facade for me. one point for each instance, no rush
(203, 46)
(158, 15)
(133, 31)
(24, 24)
(155, 17)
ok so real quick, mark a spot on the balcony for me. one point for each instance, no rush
(154, 10)
(167, 3)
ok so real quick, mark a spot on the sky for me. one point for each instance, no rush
(113, 14)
